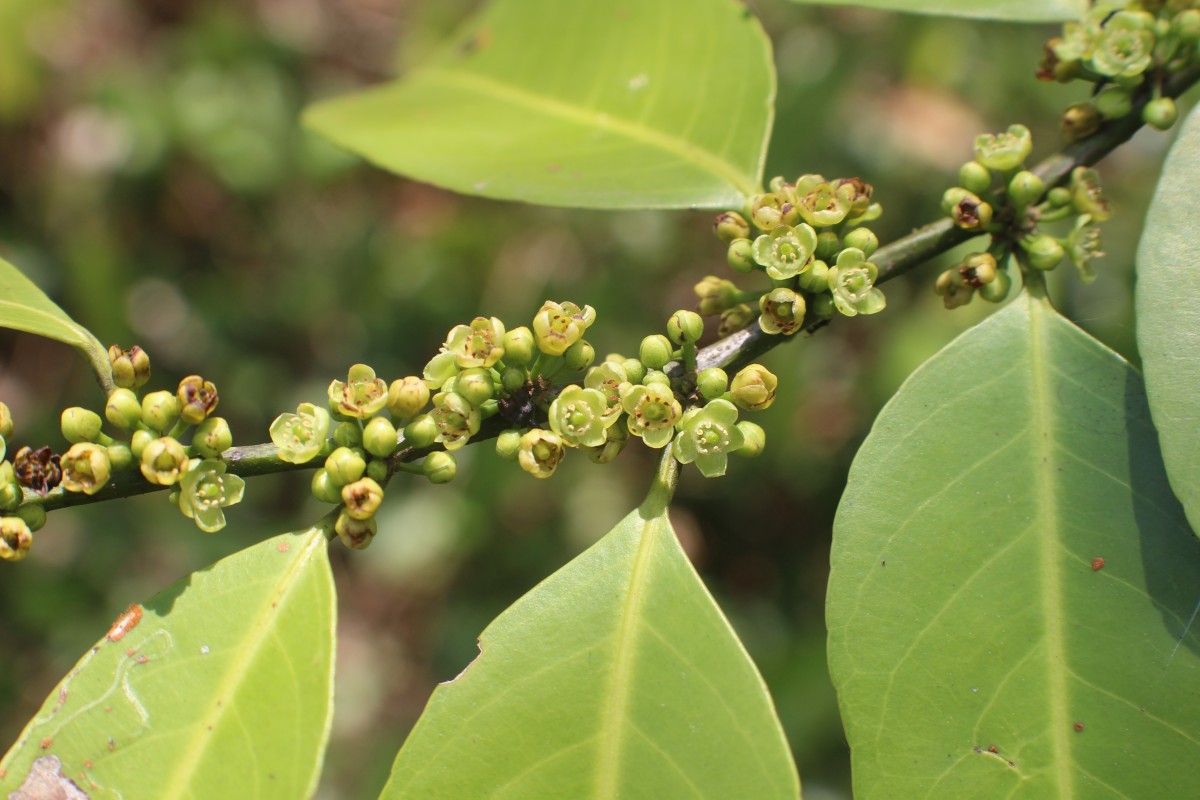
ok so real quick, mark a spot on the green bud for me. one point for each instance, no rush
(407, 397)
(634, 370)
(1114, 101)
(440, 467)
(421, 432)
(971, 213)
(508, 444)
(15, 539)
(325, 488)
(1025, 189)
(34, 514)
(1044, 252)
(130, 368)
(377, 470)
(1187, 26)
(164, 461)
(519, 347)
(379, 437)
(862, 238)
(513, 379)
(736, 318)
(655, 351)
(753, 388)
(138, 442)
(959, 295)
(685, 327)
(345, 466)
(355, 533)
(1059, 197)
(740, 256)
(123, 409)
(714, 294)
(475, 385)
(975, 178)
(945, 283)
(579, 356)
(754, 439)
(160, 410)
(712, 382)
(1080, 121)
(120, 456)
(731, 225)
(348, 434)
(998, 289)
(656, 376)
(197, 399)
(10, 490)
(6, 421)
(362, 498)
(828, 245)
(1160, 113)
(212, 437)
(816, 279)
(81, 425)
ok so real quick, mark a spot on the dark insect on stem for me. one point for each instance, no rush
(524, 408)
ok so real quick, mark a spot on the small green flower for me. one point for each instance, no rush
(362, 498)
(828, 204)
(1124, 47)
(1083, 245)
(1077, 42)
(479, 344)
(618, 436)
(852, 282)
(205, 490)
(1004, 151)
(767, 210)
(15, 538)
(441, 368)
(361, 396)
(753, 387)
(786, 251)
(782, 311)
(86, 468)
(707, 436)
(653, 412)
(197, 399)
(540, 452)
(164, 461)
(607, 378)
(1086, 195)
(580, 416)
(456, 419)
(300, 436)
(557, 326)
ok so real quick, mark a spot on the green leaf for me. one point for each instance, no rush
(588, 104)
(1168, 315)
(24, 307)
(1010, 10)
(965, 610)
(223, 689)
(615, 677)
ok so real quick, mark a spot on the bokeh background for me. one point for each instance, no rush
(155, 181)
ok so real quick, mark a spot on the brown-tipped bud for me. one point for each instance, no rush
(37, 470)
(1080, 120)
(197, 399)
(731, 225)
(130, 368)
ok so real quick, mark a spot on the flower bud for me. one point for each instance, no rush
(6, 421)
(120, 456)
(1044, 252)
(138, 442)
(734, 319)
(355, 533)
(345, 466)
(731, 225)
(753, 388)
(740, 256)
(1025, 189)
(635, 370)
(130, 368)
(508, 444)
(80, 425)
(579, 356)
(715, 294)
(1187, 26)
(325, 488)
(971, 213)
(655, 351)
(998, 289)
(440, 467)
(977, 270)
(1114, 101)
(1080, 121)
(348, 434)
(712, 382)
(407, 397)
(475, 385)
(754, 439)
(160, 410)
(519, 347)
(164, 461)
(212, 437)
(1160, 113)
(34, 514)
(828, 245)
(421, 432)
(123, 409)
(197, 399)
(945, 283)
(862, 238)
(379, 437)
(378, 470)
(85, 468)
(975, 178)
(685, 326)
(513, 378)
(362, 498)
(15, 538)
(618, 436)
(10, 490)
(816, 279)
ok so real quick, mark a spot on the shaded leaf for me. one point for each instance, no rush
(1168, 315)
(223, 688)
(586, 104)
(967, 611)
(615, 677)
(24, 307)
(1011, 10)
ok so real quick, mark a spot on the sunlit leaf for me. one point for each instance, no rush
(1168, 315)
(616, 677)
(24, 307)
(1011, 10)
(223, 688)
(588, 103)
(1012, 580)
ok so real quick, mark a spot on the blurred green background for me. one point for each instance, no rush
(154, 180)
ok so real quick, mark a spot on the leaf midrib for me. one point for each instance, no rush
(81, 337)
(588, 117)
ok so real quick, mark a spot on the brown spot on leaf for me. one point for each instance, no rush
(283, 547)
(1097, 564)
(47, 742)
(1079, 727)
(45, 781)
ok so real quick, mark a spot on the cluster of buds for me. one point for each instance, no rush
(1127, 50)
(996, 195)
(19, 517)
(810, 240)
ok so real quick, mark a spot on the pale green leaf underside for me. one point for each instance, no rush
(24, 307)
(1168, 315)
(587, 104)
(223, 690)
(1010, 10)
(963, 608)
(617, 677)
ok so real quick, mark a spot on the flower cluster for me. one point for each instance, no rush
(810, 240)
(147, 441)
(1126, 50)
(996, 195)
